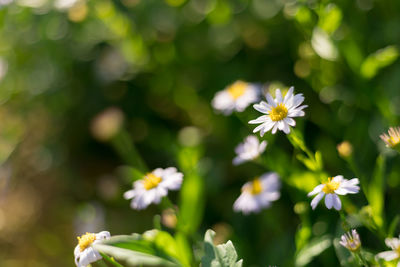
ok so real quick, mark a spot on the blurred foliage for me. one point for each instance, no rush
(87, 86)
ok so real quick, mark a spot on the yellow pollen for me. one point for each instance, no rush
(86, 240)
(330, 186)
(237, 89)
(150, 181)
(278, 113)
(256, 187)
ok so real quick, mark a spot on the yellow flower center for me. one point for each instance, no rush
(256, 187)
(86, 240)
(330, 186)
(150, 181)
(278, 113)
(237, 89)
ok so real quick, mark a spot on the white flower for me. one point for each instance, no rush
(250, 149)
(393, 139)
(84, 252)
(153, 187)
(394, 244)
(236, 97)
(258, 194)
(332, 188)
(279, 112)
(351, 240)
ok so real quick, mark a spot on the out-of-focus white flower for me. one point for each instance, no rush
(393, 139)
(107, 123)
(394, 244)
(84, 252)
(236, 97)
(279, 112)
(153, 187)
(332, 188)
(250, 149)
(258, 194)
(351, 240)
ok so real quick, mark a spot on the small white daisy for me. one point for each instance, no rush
(258, 194)
(279, 112)
(351, 240)
(394, 244)
(393, 139)
(250, 149)
(235, 97)
(84, 252)
(153, 187)
(332, 188)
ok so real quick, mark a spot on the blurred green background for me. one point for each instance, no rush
(72, 72)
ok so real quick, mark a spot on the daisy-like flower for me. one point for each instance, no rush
(351, 240)
(84, 253)
(332, 188)
(279, 112)
(393, 139)
(153, 187)
(250, 149)
(235, 97)
(258, 194)
(394, 244)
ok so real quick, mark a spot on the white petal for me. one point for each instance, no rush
(129, 194)
(274, 129)
(388, 255)
(270, 100)
(316, 200)
(237, 161)
(316, 190)
(329, 201)
(262, 147)
(278, 96)
(288, 95)
(337, 204)
(262, 107)
(290, 121)
(260, 119)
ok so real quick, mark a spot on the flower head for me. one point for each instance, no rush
(250, 149)
(345, 149)
(258, 194)
(351, 240)
(84, 252)
(394, 244)
(393, 139)
(153, 187)
(332, 188)
(279, 112)
(236, 97)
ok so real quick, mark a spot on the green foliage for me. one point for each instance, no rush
(223, 255)
(315, 247)
(153, 248)
(378, 60)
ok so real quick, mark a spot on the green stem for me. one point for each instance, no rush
(125, 148)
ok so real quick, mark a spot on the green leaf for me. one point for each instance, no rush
(375, 192)
(133, 258)
(223, 255)
(330, 18)
(378, 60)
(393, 226)
(191, 204)
(315, 247)
(153, 248)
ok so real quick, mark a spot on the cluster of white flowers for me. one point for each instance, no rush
(259, 193)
